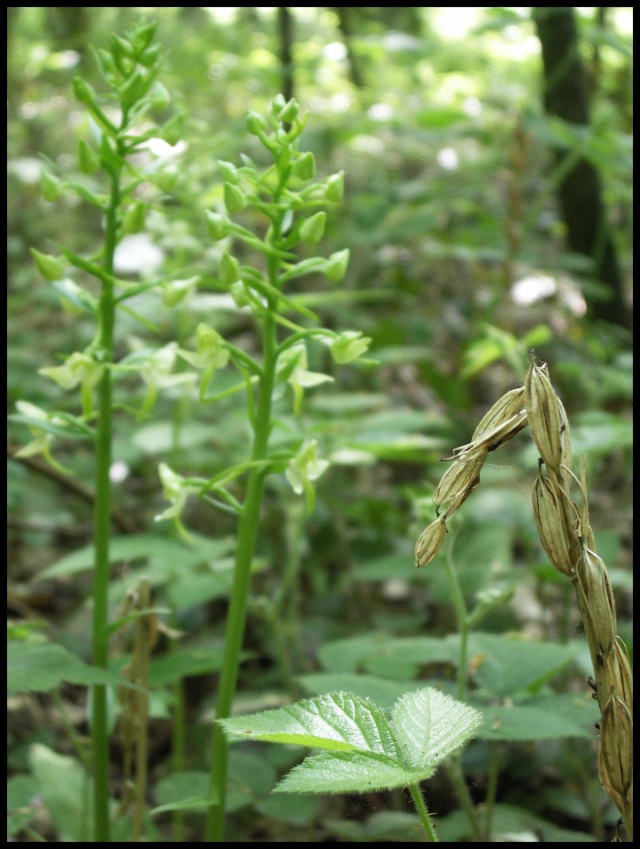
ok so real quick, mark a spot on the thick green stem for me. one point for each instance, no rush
(247, 534)
(102, 530)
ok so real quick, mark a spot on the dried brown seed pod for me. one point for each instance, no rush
(550, 519)
(459, 478)
(616, 745)
(512, 402)
(594, 584)
(429, 541)
(544, 415)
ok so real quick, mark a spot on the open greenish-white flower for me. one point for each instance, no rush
(41, 444)
(177, 290)
(304, 468)
(348, 346)
(293, 363)
(156, 370)
(78, 369)
(210, 355)
(177, 491)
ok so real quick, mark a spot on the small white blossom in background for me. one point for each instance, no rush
(304, 468)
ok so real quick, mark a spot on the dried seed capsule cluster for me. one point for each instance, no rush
(567, 537)
(504, 420)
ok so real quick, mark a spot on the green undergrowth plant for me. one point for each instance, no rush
(292, 206)
(121, 179)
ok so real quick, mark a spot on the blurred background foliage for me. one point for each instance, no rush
(459, 266)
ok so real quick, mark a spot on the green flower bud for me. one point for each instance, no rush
(134, 218)
(50, 267)
(105, 61)
(84, 92)
(289, 112)
(50, 186)
(218, 225)
(234, 198)
(135, 88)
(120, 47)
(256, 123)
(177, 290)
(229, 172)
(142, 36)
(172, 130)
(150, 56)
(336, 266)
(305, 166)
(159, 97)
(312, 229)
(166, 179)
(108, 157)
(229, 270)
(239, 294)
(277, 104)
(334, 187)
(88, 159)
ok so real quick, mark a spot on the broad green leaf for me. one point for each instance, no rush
(183, 791)
(508, 664)
(521, 722)
(348, 772)
(193, 803)
(21, 792)
(510, 824)
(336, 721)
(398, 658)
(381, 691)
(41, 667)
(381, 827)
(61, 782)
(251, 777)
(182, 663)
(430, 725)
(573, 714)
(279, 808)
(364, 751)
(174, 556)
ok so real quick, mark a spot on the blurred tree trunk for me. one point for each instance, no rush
(68, 27)
(345, 22)
(285, 33)
(566, 95)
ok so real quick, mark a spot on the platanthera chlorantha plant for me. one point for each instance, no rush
(115, 164)
(287, 208)
(364, 748)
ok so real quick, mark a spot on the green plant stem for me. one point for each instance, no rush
(247, 534)
(423, 813)
(102, 525)
(492, 788)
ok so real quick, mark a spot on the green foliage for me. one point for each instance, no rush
(440, 161)
(365, 750)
